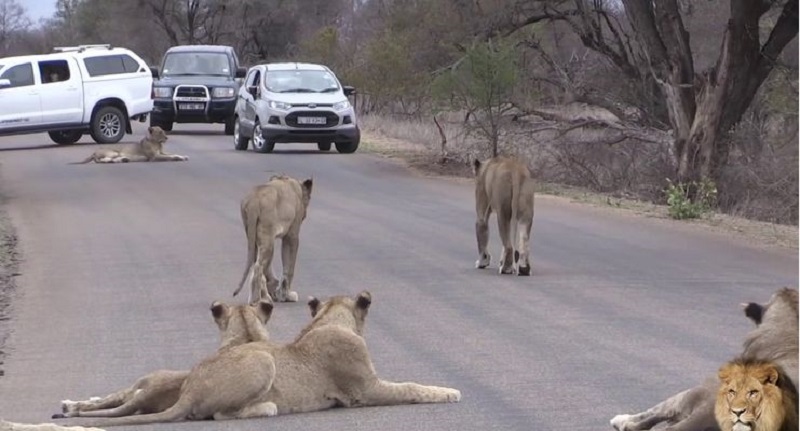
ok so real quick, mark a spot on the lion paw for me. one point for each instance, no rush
(290, 297)
(620, 421)
(69, 406)
(483, 261)
(453, 395)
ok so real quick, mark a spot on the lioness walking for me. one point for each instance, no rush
(149, 149)
(505, 186)
(272, 211)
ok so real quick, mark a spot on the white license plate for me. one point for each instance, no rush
(312, 120)
(191, 106)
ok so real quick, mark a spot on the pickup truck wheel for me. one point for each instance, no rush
(324, 146)
(108, 125)
(260, 143)
(230, 123)
(347, 147)
(240, 142)
(65, 137)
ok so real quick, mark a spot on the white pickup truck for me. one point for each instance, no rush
(90, 88)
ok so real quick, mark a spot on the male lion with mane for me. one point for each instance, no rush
(273, 211)
(755, 396)
(504, 185)
(149, 149)
(774, 339)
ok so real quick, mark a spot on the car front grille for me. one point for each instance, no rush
(191, 91)
(331, 119)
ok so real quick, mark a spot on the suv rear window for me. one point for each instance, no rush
(110, 64)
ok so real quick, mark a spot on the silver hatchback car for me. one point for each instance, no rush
(294, 103)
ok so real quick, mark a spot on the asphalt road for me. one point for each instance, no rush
(122, 261)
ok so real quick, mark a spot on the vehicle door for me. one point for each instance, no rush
(20, 103)
(62, 91)
(247, 99)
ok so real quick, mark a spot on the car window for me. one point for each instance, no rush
(110, 65)
(253, 78)
(301, 81)
(20, 75)
(196, 63)
(53, 71)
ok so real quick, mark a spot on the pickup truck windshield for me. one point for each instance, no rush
(196, 64)
(301, 81)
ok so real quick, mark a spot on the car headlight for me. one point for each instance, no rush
(282, 106)
(341, 106)
(221, 92)
(162, 91)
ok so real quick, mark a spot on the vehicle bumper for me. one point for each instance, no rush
(349, 133)
(216, 111)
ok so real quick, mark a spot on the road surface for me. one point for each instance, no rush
(121, 263)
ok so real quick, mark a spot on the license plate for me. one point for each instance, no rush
(311, 120)
(191, 106)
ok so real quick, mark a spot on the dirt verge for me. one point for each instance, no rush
(8, 270)
(421, 160)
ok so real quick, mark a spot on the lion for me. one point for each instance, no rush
(169, 395)
(149, 149)
(755, 396)
(332, 352)
(774, 339)
(271, 211)
(505, 186)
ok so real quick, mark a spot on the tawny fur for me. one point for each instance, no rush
(149, 149)
(273, 211)
(504, 186)
(754, 396)
(774, 339)
(232, 383)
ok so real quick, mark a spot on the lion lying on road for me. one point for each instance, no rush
(332, 352)
(271, 211)
(149, 149)
(774, 339)
(504, 185)
(755, 396)
(160, 390)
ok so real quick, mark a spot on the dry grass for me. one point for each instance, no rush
(417, 144)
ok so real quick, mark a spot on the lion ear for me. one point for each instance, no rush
(769, 374)
(308, 184)
(218, 309)
(313, 305)
(264, 309)
(150, 129)
(753, 311)
(725, 372)
(364, 300)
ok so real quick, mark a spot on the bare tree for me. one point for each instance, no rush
(13, 19)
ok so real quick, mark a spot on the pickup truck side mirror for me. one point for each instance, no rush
(5, 83)
(154, 72)
(241, 72)
(348, 90)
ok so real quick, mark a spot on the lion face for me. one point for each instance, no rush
(157, 134)
(749, 398)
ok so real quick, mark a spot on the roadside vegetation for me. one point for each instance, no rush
(692, 104)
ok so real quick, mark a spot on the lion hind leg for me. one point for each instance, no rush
(289, 246)
(385, 393)
(504, 225)
(70, 408)
(483, 211)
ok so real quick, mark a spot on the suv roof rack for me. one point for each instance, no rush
(81, 48)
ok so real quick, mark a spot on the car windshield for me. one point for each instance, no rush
(301, 81)
(196, 63)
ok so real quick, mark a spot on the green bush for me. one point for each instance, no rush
(681, 206)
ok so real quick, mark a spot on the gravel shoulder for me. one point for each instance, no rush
(8, 270)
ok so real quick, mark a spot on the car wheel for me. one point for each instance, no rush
(347, 147)
(230, 124)
(240, 142)
(65, 137)
(324, 146)
(260, 143)
(108, 125)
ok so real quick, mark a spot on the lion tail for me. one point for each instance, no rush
(516, 191)
(86, 160)
(179, 411)
(250, 230)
